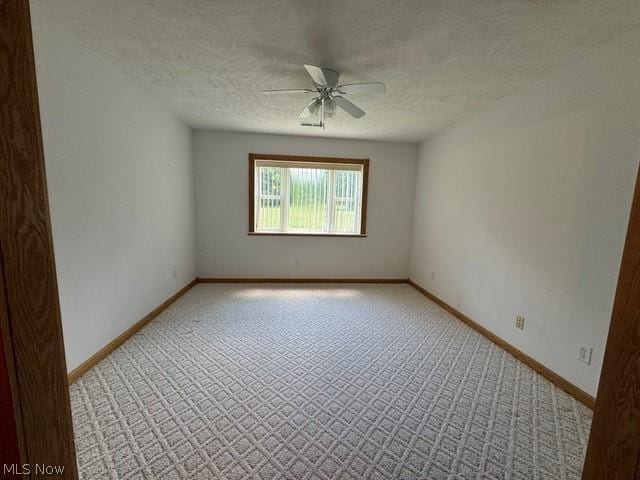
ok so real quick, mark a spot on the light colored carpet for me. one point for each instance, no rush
(322, 382)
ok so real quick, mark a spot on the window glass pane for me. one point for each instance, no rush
(269, 216)
(270, 180)
(308, 199)
(345, 215)
(269, 203)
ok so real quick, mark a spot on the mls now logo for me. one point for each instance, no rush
(28, 469)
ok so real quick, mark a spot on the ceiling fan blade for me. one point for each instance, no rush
(350, 108)
(370, 87)
(324, 77)
(310, 109)
(288, 90)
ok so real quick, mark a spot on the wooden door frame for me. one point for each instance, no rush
(614, 442)
(29, 308)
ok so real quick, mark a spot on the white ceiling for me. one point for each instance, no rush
(441, 60)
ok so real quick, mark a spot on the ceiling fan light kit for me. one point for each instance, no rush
(330, 96)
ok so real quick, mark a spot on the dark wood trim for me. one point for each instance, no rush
(302, 280)
(252, 197)
(365, 197)
(12, 446)
(297, 158)
(30, 310)
(553, 377)
(128, 333)
(308, 159)
(291, 234)
(614, 444)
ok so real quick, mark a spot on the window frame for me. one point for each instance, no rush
(361, 162)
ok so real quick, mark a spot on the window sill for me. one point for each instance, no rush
(292, 234)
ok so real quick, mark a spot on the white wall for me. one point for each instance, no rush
(523, 210)
(120, 179)
(225, 249)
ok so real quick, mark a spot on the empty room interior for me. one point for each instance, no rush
(337, 240)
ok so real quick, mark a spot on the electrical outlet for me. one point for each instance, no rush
(433, 275)
(584, 353)
(175, 274)
(520, 322)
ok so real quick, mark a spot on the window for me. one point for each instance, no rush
(307, 195)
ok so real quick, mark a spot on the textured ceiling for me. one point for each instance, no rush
(441, 60)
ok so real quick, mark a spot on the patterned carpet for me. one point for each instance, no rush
(320, 382)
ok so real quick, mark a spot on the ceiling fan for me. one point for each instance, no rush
(329, 96)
